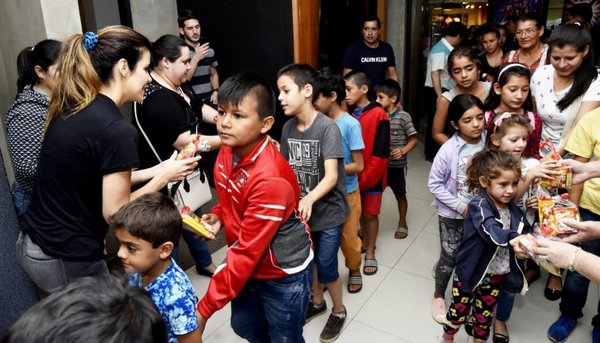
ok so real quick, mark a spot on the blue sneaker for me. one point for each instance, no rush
(562, 327)
(596, 335)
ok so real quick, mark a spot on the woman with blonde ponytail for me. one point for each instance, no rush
(89, 152)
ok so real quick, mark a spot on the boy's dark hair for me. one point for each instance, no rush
(233, 91)
(357, 77)
(91, 310)
(168, 46)
(185, 16)
(490, 164)
(152, 217)
(389, 87)
(581, 10)
(531, 16)
(43, 54)
(329, 82)
(579, 37)
(371, 17)
(455, 29)
(458, 106)
(509, 70)
(302, 74)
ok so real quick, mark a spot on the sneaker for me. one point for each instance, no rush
(314, 311)
(333, 328)
(560, 330)
(596, 335)
(438, 310)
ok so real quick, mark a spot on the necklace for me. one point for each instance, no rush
(165, 83)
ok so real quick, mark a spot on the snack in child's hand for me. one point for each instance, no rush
(527, 243)
(193, 147)
(563, 178)
(193, 223)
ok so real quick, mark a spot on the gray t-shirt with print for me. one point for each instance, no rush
(306, 151)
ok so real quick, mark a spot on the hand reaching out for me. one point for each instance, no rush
(177, 170)
(213, 221)
(517, 248)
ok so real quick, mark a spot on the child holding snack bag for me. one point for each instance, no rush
(484, 260)
(509, 132)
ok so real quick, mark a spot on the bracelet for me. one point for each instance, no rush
(571, 266)
(216, 89)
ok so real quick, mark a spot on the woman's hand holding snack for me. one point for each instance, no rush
(582, 171)
(585, 231)
(558, 254)
(177, 170)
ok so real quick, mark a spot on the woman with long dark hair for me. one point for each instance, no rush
(36, 66)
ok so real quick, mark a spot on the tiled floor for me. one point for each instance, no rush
(394, 305)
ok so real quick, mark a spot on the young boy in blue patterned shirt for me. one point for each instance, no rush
(403, 138)
(148, 229)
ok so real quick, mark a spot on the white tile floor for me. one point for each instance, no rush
(394, 305)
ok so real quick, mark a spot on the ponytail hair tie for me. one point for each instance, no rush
(90, 39)
(33, 47)
(577, 23)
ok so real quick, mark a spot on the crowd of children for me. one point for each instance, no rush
(287, 208)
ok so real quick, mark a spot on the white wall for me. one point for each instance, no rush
(154, 18)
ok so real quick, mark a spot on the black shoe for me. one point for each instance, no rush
(552, 294)
(333, 328)
(204, 272)
(314, 311)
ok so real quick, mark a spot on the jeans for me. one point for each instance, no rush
(504, 305)
(21, 198)
(575, 289)
(272, 310)
(198, 250)
(326, 245)
(49, 273)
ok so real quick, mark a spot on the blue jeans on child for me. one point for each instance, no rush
(272, 310)
(326, 245)
(504, 305)
(575, 289)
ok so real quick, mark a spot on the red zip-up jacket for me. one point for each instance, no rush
(375, 125)
(257, 207)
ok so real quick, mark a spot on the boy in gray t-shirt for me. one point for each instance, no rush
(403, 138)
(311, 142)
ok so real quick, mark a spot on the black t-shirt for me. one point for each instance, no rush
(65, 215)
(164, 115)
(372, 61)
(485, 68)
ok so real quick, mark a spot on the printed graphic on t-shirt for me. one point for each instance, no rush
(304, 159)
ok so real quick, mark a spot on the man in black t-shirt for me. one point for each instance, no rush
(371, 56)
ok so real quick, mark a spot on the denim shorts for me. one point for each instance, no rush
(272, 310)
(326, 245)
(50, 273)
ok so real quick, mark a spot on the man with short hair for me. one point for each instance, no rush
(205, 79)
(371, 56)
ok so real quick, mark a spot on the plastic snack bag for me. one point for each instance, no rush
(553, 210)
(561, 180)
(192, 148)
(193, 223)
(527, 243)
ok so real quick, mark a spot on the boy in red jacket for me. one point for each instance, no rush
(266, 275)
(372, 180)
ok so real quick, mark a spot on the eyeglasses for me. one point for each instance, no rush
(527, 32)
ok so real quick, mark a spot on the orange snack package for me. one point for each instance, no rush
(552, 210)
(192, 148)
(561, 180)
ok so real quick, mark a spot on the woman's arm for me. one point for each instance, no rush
(439, 121)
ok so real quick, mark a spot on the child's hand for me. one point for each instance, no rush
(305, 208)
(517, 248)
(213, 221)
(396, 154)
(545, 170)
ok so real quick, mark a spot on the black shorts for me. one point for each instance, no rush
(397, 180)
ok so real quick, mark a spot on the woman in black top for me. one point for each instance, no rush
(167, 119)
(87, 157)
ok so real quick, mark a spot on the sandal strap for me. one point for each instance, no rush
(355, 280)
(370, 263)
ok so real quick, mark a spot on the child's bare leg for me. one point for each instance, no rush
(402, 210)
(335, 291)
(370, 231)
(317, 288)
